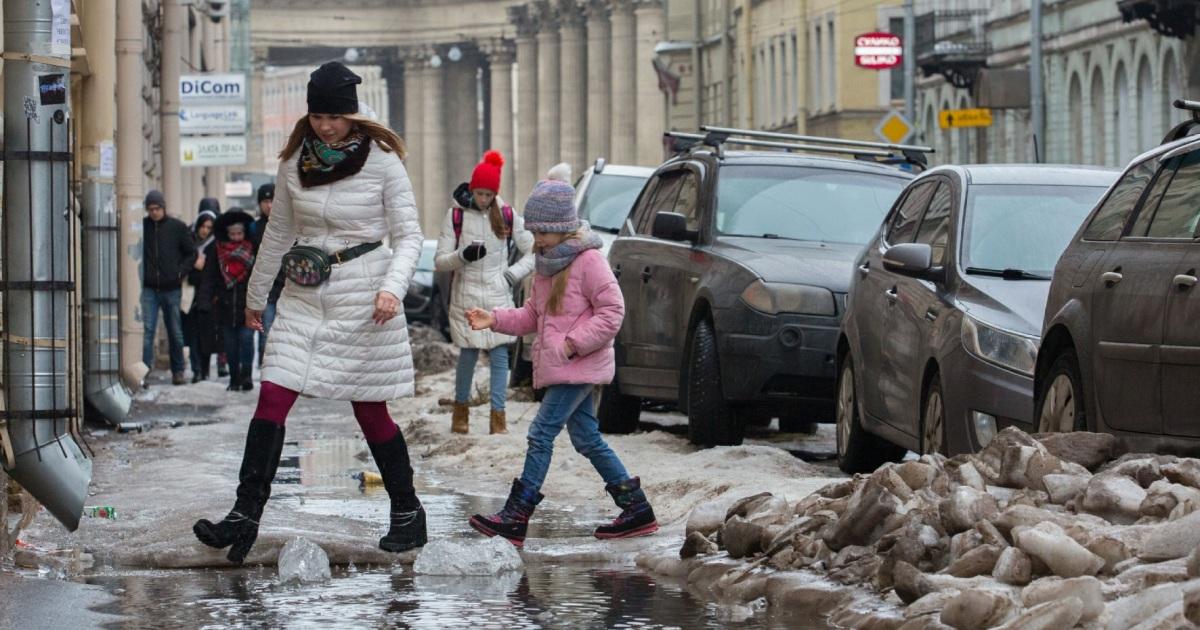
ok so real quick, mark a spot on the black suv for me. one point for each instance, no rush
(734, 267)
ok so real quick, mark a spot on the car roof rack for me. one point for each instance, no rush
(1187, 127)
(882, 152)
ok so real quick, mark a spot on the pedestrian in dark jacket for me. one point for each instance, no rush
(198, 327)
(266, 198)
(168, 253)
(228, 263)
(213, 205)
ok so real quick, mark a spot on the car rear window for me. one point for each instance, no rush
(1023, 227)
(425, 262)
(608, 200)
(802, 203)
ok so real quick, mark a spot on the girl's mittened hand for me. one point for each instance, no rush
(480, 319)
(254, 320)
(473, 253)
(386, 307)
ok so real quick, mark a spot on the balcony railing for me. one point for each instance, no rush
(951, 43)
(1173, 18)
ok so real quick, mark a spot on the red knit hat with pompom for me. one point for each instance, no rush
(487, 172)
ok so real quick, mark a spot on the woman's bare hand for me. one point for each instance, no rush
(254, 320)
(480, 319)
(386, 307)
(199, 266)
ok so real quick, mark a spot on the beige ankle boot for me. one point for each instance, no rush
(460, 421)
(498, 423)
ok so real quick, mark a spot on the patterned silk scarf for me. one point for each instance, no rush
(325, 163)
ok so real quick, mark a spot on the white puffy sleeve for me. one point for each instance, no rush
(404, 227)
(276, 241)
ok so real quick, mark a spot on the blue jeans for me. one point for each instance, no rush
(465, 373)
(268, 318)
(239, 349)
(154, 301)
(572, 405)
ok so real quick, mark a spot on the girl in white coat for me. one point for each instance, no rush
(341, 188)
(474, 247)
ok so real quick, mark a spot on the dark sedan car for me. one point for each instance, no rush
(423, 302)
(941, 330)
(1122, 326)
(734, 268)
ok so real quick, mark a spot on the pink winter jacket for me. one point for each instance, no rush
(589, 317)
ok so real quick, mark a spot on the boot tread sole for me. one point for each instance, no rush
(481, 526)
(644, 530)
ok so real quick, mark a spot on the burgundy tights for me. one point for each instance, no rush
(274, 403)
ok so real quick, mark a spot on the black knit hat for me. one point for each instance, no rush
(265, 192)
(331, 90)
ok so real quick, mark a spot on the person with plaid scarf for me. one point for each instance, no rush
(228, 263)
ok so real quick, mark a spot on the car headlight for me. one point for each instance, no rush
(774, 298)
(1000, 347)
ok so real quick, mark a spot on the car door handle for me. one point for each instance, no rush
(1185, 281)
(891, 295)
(617, 272)
(864, 269)
(646, 273)
(1111, 278)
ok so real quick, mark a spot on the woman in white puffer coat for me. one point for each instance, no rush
(341, 188)
(474, 247)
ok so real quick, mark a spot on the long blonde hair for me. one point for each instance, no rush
(559, 288)
(387, 139)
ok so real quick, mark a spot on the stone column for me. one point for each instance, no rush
(414, 121)
(623, 125)
(434, 152)
(525, 172)
(501, 54)
(548, 89)
(573, 76)
(461, 120)
(651, 103)
(599, 80)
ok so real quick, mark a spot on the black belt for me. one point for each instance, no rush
(350, 253)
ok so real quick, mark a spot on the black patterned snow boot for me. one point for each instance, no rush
(512, 522)
(407, 526)
(636, 519)
(239, 529)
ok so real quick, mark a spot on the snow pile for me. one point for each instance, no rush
(302, 561)
(468, 557)
(1032, 532)
(431, 353)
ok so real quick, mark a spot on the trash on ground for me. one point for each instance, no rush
(100, 511)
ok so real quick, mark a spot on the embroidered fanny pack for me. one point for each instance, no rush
(309, 266)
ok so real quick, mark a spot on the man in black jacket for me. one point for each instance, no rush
(168, 253)
(266, 199)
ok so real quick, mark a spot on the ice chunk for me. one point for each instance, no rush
(302, 561)
(474, 587)
(468, 557)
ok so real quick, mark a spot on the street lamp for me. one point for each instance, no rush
(455, 54)
(435, 61)
(351, 55)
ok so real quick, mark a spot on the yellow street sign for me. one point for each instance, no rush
(894, 128)
(950, 118)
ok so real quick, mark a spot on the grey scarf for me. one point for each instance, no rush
(550, 262)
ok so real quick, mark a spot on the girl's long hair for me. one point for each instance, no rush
(559, 288)
(496, 218)
(387, 139)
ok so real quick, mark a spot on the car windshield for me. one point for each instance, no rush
(425, 262)
(812, 204)
(608, 200)
(1025, 228)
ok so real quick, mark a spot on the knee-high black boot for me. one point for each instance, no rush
(407, 528)
(238, 530)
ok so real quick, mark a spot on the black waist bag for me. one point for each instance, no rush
(310, 266)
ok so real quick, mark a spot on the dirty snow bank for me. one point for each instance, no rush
(1047, 531)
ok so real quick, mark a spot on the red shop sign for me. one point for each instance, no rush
(878, 51)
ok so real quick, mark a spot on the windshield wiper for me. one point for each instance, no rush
(1007, 274)
(606, 230)
(771, 236)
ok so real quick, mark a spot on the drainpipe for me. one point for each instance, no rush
(102, 362)
(174, 17)
(38, 264)
(727, 53)
(697, 67)
(129, 184)
(1037, 95)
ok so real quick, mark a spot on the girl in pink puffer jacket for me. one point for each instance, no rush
(576, 309)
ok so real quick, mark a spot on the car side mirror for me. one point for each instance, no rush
(672, 226)
(911, 259)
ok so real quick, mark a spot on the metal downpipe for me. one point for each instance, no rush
(37, 266)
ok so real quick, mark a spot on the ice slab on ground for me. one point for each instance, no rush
(468, 557)
(302, 560)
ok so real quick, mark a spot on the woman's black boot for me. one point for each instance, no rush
(407, 527)
(239, 529)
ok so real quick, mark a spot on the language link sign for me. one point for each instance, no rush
(878, 51)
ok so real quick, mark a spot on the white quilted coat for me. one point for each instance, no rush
(480, 284)
(323, 342)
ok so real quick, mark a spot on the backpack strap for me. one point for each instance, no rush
(507, 211)
(456, 219)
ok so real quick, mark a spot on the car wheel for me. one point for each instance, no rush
(933, 418)
(617, 412)
(711, 420)
(1060, 401)
(857, 450)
